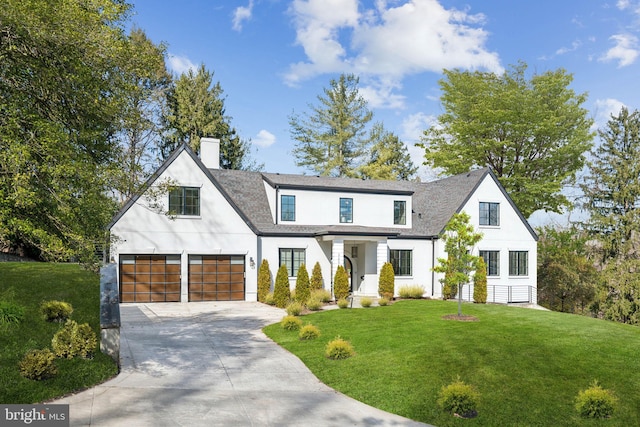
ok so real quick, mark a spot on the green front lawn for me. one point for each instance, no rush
(28, 284)
(528, 365)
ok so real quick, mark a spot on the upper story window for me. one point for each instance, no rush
(346, 210)
(489, 213)
(401, 260)
(400, 212)
(287, 208)
(492, 260)
(518, 263)
(292, 259)
(184, 201)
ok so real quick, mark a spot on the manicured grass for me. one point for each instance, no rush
(29, 284)
(528, 365)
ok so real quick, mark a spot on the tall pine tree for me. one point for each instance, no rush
(389, 158)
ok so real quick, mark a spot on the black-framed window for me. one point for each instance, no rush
(518, 263)
(184, 201)
(489, 213)
(292, 258)
(400, 212)
(346, 209)
(287, 208)
(492, 260)
(401, 260)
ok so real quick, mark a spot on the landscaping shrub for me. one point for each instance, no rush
(411, 291)
(38, 365)
(382, 302)
(302, 285)
(294, 309)
(309, 332)
(10, 313)
(341, 283)
(314, 304)
(56, 311)
(366, 302)
(264, 281)
(291, 323)
(339, 349)
(316, 278)
(449, 290)
(281, 291)
(386, 281)
(596, 402)
(459, 398)
(343, 303)
(269, 299)
(480, 283)
(321, 294)
(74, 340)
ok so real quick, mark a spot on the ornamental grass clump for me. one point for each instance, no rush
(56, 311)
(309, 332)
(459, 398)
(38, 365)
(321, 294)
(343, 303)
(314, 304)
(339, 349)
(294, 309)
(411, 292)
(596, 402)
(383, 302)
(269, 299)
(291, 323)
(10, 313)
(366, 302)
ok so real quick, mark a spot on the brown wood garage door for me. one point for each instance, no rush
(149, 278)
(216, 278)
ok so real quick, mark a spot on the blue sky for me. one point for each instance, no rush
(274, 57)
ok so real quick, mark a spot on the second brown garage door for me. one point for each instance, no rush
(216, 278)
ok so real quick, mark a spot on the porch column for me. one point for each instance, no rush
(337, 257)
(381, 255)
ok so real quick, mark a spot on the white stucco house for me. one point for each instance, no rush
(225, 222)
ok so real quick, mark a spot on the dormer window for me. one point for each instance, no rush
(184, 201)
(287, 208)
(346, 210)
(489, 214)
(400, 212)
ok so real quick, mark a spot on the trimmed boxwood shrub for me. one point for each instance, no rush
(74, 340)
(459, 398)
(341, 283)
(38, 365)
(339, 349)
(264, 281)
(316, 278)
(302, 285)
(386, 281)
(281, 291)
(596, 402)
(56, 311)
(480, 282)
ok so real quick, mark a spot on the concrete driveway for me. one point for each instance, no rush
(209, 364)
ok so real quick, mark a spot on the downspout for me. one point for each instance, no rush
(433, 264)
(277, 198)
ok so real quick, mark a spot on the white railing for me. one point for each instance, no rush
(504, 294)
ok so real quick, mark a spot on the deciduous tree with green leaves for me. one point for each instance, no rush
(532, 133)
(459, 239)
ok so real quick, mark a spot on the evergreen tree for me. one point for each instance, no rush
(532, 133)
(281, 290)
(449, 287)
(264, 280)
(386, 281)
(341, 283)
(480, 282)
(331, 140)
(460, 238)
(316, 282)
(612, 187)
(302, 285)
(389, 158)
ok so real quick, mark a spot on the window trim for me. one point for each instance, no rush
(514, 270)
(487, 218)
(402, 218)
(292, 269)
(488, 264)
(400, 262)
(348, 220)
(282, 210)
(182, 197)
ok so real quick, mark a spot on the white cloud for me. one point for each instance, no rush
(625, 50)
(623, 4)
(264, 138)
(388, 42)
(604, 109)
(574, 46)
(379, 94)
(180, 64)
(241, 14)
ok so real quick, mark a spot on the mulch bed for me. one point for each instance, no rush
(463, 318)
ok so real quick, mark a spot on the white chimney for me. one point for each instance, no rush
(210, 152)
